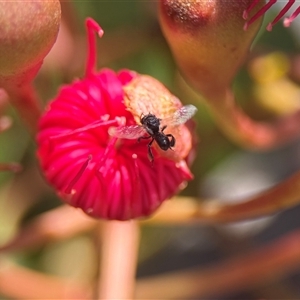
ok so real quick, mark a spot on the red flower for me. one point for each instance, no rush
(265, 8)
(106, 177)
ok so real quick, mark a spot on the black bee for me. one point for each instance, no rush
(152, 125)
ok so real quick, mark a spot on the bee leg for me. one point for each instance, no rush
(150, 151)
(163, 128)
(173, 140)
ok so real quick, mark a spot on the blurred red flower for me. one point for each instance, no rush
(105, 176)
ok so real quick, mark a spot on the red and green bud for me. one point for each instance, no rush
(208, 40)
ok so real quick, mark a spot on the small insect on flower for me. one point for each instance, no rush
(154, 127)
(108, 177)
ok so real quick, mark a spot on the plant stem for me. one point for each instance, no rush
(266, 264)
(118, 259)
(23, 96)
(282, 196)
(27, 104)
(247, 132)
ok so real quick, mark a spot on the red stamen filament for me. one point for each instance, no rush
(69, 188)
(92, 26)
(287, 21)
(136, 168)
(137, 180)
(93, 125)
(281, 14)
(250, 7)
(101, 165)
(261, 12)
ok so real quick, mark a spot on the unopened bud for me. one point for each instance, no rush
(28, 31)
(207, 39)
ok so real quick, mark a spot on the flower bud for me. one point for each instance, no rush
(28, 31)
(207, 39)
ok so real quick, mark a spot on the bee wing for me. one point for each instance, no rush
(127, 132)
(180, 116)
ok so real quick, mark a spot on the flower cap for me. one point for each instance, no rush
(107, 177)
